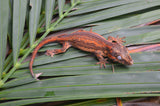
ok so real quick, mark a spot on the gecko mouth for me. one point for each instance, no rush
(128, 62)
(125, 62)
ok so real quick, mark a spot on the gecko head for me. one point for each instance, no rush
(119, 53)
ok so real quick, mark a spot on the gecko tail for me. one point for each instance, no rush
(45, 41)
(31, 63)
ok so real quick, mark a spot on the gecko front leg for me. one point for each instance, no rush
(65, 46)
(102, 61)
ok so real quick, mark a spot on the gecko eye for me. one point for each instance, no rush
(119, 57)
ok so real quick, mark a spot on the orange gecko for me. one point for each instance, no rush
(88, 41)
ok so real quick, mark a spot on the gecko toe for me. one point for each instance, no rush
(46, 54)
(102, 64)
(49, 53)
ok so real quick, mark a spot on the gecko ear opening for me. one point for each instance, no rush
(113, 41)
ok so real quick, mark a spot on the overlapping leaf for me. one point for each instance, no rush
(94, 5)
(106, 14)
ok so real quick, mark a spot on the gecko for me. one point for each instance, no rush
(88, 41)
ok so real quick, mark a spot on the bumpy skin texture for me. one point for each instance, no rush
(91, 42)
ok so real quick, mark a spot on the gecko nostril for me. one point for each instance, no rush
(131, 62)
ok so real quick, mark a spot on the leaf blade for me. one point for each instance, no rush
(60, 7)
(49, 7)
(34, 18)
(4, 16)
(19, 14)
(99, 5)
(101, 15)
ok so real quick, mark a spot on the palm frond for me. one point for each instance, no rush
(73, 75)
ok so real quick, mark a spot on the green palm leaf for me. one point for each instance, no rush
(34, 18)
(49, 11)
(4, 8)
(19, 13)
(74, 75)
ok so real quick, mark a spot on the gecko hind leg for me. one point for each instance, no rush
(65, 46)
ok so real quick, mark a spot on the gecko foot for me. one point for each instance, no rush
(117, 39)
(102, 63)
(49, 53)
